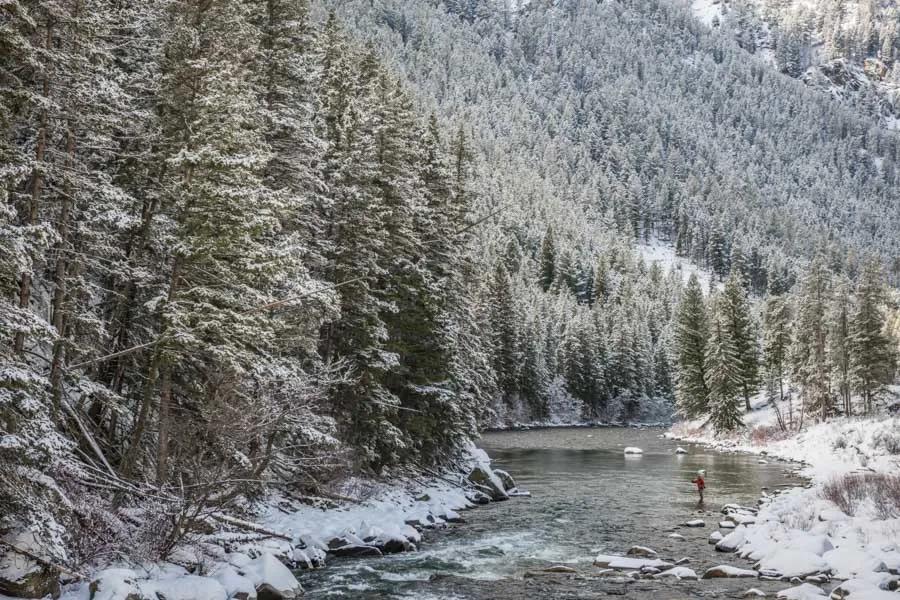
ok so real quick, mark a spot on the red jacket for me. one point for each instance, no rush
(700, 483)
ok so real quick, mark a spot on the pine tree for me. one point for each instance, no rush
(870, 348)
(691, 331)
(809, 353)
(724, 378)
(776, 345)
(839, 341)
(740, 328)
(548, 260)
(504, 331)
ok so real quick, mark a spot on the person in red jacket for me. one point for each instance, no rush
(701, 485)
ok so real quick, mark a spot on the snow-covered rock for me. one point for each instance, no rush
(733, 541)
(792, 563)
(21, 576)
(482, 476)
(727, 571)
(680, 450)
(623, 563)
(753, 593)
(677, 573)
(715, 537)
(237, 587)
(508, 482)
(271, 577)
(847, 563)
(633, 450)
(804, 591)
(694, 523)
(641, 551)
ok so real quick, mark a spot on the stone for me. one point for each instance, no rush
(715, 537)
(727, 571)
(642, 551)
(355, 551)
(22, 577)
(488, 482)
(508, 482)
(694, 523)
(753, 593)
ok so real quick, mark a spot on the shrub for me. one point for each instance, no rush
(840, 443)
(889, 440)
(849, 491)
(765, 434)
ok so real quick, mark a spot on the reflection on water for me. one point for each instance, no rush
(587, 497)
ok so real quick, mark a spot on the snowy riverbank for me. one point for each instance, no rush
(254, 556)
(802, 535)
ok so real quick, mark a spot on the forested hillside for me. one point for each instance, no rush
(595, 124)
(846, 48)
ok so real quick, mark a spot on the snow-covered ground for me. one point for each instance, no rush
(663, 253)
(799, 533)
(247, 556)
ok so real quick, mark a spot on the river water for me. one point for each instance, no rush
(587, 498)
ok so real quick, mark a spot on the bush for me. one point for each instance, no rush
(766, 434)
(849, 491)
(839, 444)
(889, 440)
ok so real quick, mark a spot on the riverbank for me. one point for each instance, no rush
(841, 534)
(255, 554)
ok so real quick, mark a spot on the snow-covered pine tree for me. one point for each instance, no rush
(734, 305)
(839, 314)
(871, 350)
(691, 333)
(809, 352)
(724, 378)
(776, 345)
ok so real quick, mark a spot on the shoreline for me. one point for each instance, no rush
(259, 552)
(801, 536)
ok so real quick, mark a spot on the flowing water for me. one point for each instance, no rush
(587, 498)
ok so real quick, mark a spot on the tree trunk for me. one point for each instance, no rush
(37, 185)
(60, 281)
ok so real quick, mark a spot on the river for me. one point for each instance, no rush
(587, 498)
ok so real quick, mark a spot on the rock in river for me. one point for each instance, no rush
(727, 571)
(694, 523)
(642, 551)
(486, 480)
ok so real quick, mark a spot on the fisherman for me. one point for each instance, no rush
(701, 485)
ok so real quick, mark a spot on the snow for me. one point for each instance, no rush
(707, 10)
(624, 563)
(793, 563)
(662, 253)
(730, 571)
(804, 591)
(677, 573)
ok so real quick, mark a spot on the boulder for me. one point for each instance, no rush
(508, 482)
(732, 541)
(715, 537)
(623, 563)
(356, 551)
(680, 450)
(804, 591)
(272, 579)
(633, 450)
(488, 482)
(694, 523)
(727, 571)
(115, 584)
(677, 573)
(793, 563)
(22, 577)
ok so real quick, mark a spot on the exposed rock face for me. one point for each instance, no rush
(355, 551)
(487, 481)
(23, 577)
